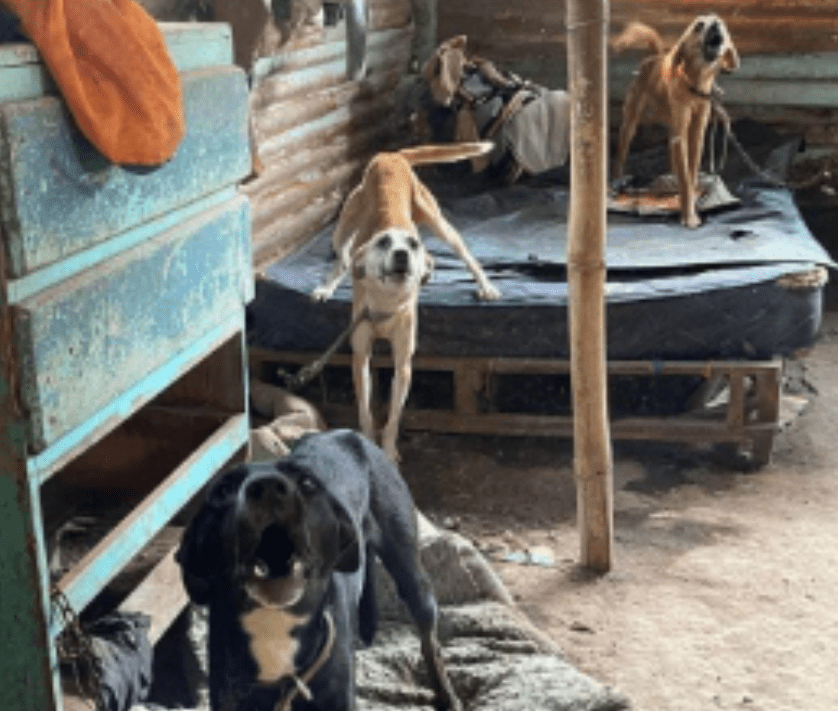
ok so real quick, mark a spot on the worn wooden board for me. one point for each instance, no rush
(88, 339)
(59, 196)
(191, 46)
(112, 553)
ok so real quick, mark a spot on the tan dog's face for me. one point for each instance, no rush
(395, 258)
(706, 44)
(444, 70)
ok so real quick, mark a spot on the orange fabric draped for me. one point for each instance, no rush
(111, 64)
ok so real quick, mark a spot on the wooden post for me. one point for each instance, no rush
(587, 26)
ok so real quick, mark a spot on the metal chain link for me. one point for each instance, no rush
(75, 649)
(722, 116)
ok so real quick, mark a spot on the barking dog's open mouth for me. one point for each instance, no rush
(713, 41)
(276, 577)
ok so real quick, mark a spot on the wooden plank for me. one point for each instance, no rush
(88, 340)
(160, 595)
(523, 366)
(111, 554)
(191, 46)
(55, 207)
(219, 382)
(196, 45)
(42, 466)
(736, 401)
(27, 658)
(26, 286)
(677, 429)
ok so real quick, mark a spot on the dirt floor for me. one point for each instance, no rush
(723, 590)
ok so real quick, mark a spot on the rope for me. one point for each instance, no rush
(301, 681)
(309, 372)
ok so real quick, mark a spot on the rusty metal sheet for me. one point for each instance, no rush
(85, 341)
(500, 30)
(315, 130)
(59, 195)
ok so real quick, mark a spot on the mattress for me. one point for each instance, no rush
(747, 284)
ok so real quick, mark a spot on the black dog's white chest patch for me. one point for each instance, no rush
(271, 640)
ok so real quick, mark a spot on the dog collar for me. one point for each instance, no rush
(302, 680)
(707, 95)
(701, 94)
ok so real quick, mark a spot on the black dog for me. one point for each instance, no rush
(283, 554)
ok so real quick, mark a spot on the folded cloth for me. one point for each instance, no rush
(539, 133)
(122, 659)
(112, 67)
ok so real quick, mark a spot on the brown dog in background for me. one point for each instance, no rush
(674, 87)
(377, 236)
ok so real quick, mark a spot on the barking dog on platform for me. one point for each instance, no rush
(675, 87)
(283, 553)
(377, 236)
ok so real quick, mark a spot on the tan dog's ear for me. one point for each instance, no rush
(457, 42)
(730, 59)
(359, 269)
(428, 271)
(444, 69)
(678, 55)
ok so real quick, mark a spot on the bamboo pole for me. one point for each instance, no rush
(587, 25)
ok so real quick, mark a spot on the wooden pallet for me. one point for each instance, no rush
(747, 417)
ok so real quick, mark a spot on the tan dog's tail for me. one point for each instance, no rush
(639, 36)
(447, 153)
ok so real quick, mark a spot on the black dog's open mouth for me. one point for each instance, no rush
(276, 577)
(275, 552)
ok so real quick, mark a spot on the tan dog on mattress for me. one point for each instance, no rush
(377, 235)
(674, 87)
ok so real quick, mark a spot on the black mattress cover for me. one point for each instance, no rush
(672, 292)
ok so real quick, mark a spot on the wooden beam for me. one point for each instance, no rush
(160, 595)
(587, 29)
(110, 555)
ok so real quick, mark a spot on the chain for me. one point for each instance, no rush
(75, 649)
(721, 115)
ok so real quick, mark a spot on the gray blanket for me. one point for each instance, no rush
(497, 660)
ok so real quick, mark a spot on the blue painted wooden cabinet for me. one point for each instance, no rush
(121, 338)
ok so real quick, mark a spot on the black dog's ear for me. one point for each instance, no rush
(202, 551)
(349, 556)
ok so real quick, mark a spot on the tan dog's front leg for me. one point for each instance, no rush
(403, 350)
(327, 288)
(362, 341)
(343, 242)
(697, 130)
(678, 154)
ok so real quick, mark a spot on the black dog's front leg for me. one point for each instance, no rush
(414, 588)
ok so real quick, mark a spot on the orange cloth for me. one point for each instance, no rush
(112, 66)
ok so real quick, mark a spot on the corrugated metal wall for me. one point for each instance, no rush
(315, 130)
(537, 27)
(789, 50)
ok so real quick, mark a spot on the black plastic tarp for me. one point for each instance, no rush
(672, 292)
